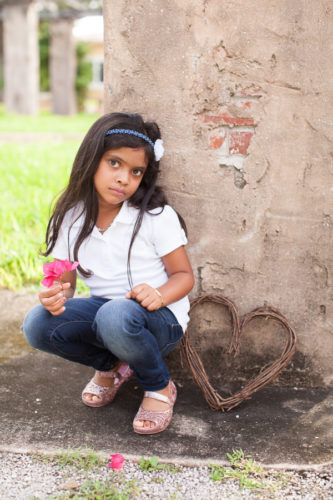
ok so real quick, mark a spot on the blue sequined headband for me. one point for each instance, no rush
(157, 146)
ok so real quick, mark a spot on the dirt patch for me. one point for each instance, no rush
(14, 307)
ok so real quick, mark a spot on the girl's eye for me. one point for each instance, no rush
(137, 172)
(114, 163)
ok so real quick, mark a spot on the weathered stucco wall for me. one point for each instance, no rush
(244, 99)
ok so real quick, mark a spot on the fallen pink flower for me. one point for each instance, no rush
(52, 271)
(117, 461)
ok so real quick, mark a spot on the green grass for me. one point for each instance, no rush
(46, 122)
(86, 466)
(79, 459)
(32, 175)
(152, 464)
(102, 490)
(246, 472)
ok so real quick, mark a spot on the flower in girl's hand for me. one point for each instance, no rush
(53, 270)
(117, 462)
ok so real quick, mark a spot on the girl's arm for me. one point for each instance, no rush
(179, 284)
(54, 298)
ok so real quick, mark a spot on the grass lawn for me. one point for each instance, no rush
(32, 175)
(46, 122)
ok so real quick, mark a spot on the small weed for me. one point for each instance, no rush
(151, 464)
(107, 490)
(236, 457)
(244, 470)
(79, 459)
(102, 490)
(218, 473)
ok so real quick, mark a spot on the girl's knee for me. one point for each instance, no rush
(34, 326)
(116, 316)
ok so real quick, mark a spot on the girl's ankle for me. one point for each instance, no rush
(102, 378)
(109, 373)
(166, 390)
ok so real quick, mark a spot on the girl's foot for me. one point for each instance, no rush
(102, 379)
(153, 405)
(102, 389)
(156, 410)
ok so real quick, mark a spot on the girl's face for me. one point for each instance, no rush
(119, 174)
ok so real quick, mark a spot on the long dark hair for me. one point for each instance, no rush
(81, 189)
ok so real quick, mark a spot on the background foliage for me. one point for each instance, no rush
(83, 68)
(32, 175)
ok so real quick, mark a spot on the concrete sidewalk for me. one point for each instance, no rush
(41, 410)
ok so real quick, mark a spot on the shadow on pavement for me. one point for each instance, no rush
(41, 409)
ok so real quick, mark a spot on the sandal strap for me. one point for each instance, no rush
(156, 395)
(106, 394)
(96, 390)
(124, 371)
(159, 418)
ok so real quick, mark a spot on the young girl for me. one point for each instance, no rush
(114, 220)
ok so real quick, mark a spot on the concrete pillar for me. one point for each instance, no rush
(21, 57)
(243, 97)
(63, 67)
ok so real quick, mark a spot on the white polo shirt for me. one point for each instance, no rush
(106, 254)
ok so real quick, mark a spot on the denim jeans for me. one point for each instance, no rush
(98, 332)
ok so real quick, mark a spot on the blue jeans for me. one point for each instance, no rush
(98, 332)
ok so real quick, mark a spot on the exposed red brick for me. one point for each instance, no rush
(239, 142)
(217, 138)
(227, 118)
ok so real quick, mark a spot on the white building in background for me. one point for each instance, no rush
(90, 29)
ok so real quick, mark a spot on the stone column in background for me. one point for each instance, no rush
(62, 67)
(21, 57)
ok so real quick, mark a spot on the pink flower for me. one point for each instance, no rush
(117, 462)
(52, 271)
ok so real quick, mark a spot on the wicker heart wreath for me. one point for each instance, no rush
(266, 374)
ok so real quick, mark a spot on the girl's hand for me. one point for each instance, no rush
(147, 296)
(53, 298)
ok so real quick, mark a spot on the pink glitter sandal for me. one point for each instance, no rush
(106, 394)
(162, 418)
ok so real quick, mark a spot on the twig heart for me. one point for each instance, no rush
(267, 372)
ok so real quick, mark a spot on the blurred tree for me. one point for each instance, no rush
(44, 43)
(83, 74)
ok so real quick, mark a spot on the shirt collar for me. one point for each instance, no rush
(126, 215)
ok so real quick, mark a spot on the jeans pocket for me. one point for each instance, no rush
(176, 333)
